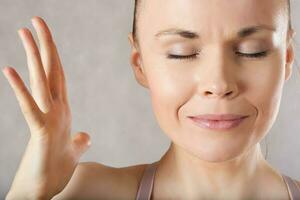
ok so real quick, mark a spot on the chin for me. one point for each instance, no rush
(214, 148)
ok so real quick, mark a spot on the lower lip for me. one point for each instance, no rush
(218, 124)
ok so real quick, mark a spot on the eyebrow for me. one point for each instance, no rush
(244, 32)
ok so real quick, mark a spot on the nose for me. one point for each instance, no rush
(219, 81)
(220, 89)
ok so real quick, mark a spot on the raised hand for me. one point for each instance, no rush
(52, 154)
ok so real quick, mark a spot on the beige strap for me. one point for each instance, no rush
(293, 188)
(146, 183)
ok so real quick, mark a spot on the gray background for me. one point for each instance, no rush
(105, 99)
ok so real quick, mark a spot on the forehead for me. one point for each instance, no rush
(210, 17)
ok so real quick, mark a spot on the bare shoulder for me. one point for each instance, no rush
(92, 180)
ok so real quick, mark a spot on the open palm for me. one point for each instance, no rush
(52, 154)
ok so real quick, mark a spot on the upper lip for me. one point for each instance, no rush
(219, 116)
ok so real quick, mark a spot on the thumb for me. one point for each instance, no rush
(81, 142)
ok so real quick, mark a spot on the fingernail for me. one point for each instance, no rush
(20, 32)
(3, 71)
(32, 21)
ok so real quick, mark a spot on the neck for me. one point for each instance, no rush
(197, 178)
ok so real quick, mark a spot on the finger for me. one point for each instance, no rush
(50, 59)
(29, 108)
(38, 82)
(81, 143)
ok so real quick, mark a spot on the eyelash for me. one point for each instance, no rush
(254, 55)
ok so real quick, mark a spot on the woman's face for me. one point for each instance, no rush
(180, 88)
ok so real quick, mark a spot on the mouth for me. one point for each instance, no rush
(218, 122)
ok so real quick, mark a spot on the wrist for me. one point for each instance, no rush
(13, 195)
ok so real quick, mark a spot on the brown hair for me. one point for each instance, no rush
(137, 5)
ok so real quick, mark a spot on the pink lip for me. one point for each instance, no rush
(218, 122)
(219, 117)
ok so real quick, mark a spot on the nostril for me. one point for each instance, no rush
(228, 93)
(208, 93)
(224, 94)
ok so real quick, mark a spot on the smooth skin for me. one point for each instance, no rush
(55, 154)
(52, 155)
(216, 78)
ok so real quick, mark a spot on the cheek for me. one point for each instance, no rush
(264, 93)
(170, 89)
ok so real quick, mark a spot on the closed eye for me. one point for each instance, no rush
(253, 55)
(193, 56)
(172, 56)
